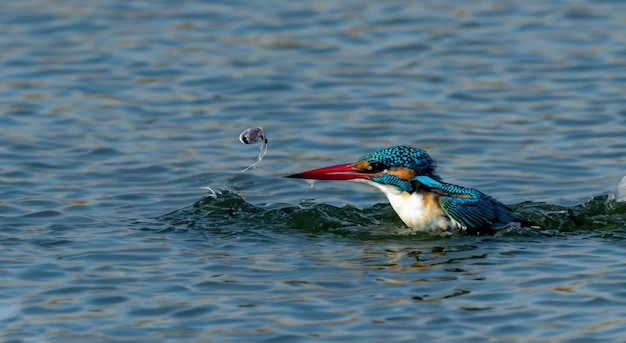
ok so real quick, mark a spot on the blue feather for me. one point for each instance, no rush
(470, 207)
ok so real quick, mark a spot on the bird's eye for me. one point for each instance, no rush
(376, 167)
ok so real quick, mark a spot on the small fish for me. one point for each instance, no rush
(251, 136)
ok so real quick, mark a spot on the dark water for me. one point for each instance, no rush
(117, 114)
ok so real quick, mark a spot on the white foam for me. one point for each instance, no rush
(621, 190)
(213, 192)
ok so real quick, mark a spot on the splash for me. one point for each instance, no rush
(226, 212)
(621, 190)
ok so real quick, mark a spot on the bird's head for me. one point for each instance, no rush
(395, 166)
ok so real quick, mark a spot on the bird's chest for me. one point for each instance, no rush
(422, 212)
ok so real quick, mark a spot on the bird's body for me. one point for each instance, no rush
(420, 198)
(420, 211)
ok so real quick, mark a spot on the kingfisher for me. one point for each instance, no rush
(425, 203)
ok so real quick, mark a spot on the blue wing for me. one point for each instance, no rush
(470, 207)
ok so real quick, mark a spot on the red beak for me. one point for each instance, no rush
(337, 172)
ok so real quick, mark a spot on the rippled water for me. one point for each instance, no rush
(116, 116)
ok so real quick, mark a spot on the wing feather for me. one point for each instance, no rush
(470, 207)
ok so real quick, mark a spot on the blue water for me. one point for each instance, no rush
(117, 115)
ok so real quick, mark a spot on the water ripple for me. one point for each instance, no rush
(117, 115)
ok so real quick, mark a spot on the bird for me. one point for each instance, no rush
(422, 200)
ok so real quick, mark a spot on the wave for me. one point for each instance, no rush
(230, 214)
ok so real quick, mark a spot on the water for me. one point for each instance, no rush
(116, 115)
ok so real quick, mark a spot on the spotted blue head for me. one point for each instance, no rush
(398, 157)
(395, 166)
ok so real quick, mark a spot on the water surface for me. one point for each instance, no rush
(117, 115)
